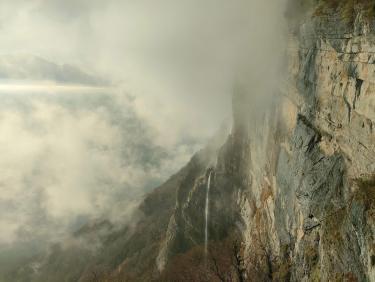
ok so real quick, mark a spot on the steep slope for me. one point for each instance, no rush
(102, 250)
(318, 218)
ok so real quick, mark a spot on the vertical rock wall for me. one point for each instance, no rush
(298, 180)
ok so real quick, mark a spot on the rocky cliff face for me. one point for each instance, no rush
(298, 181)
(324, 186)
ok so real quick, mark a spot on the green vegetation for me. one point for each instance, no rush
(366, 193)
(346, 9)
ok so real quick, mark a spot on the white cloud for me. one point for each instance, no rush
(178, 57)
(73, 154)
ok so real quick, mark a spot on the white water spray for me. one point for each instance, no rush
(206, 214)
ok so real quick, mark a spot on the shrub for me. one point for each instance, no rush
(347, 9)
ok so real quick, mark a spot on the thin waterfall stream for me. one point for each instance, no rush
(206, 214)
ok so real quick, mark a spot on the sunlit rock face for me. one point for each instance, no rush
(298, 180)
(325, 179)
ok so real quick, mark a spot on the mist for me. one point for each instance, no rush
(101, 101)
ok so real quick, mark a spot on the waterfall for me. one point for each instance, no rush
(206, 214)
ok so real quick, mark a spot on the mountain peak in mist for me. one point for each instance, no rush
(31, 67)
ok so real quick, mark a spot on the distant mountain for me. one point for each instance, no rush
(30, 67)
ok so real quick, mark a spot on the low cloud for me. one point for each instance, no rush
(72, 157)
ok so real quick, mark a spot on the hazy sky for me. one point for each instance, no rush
(177, 56)
(104, 98)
